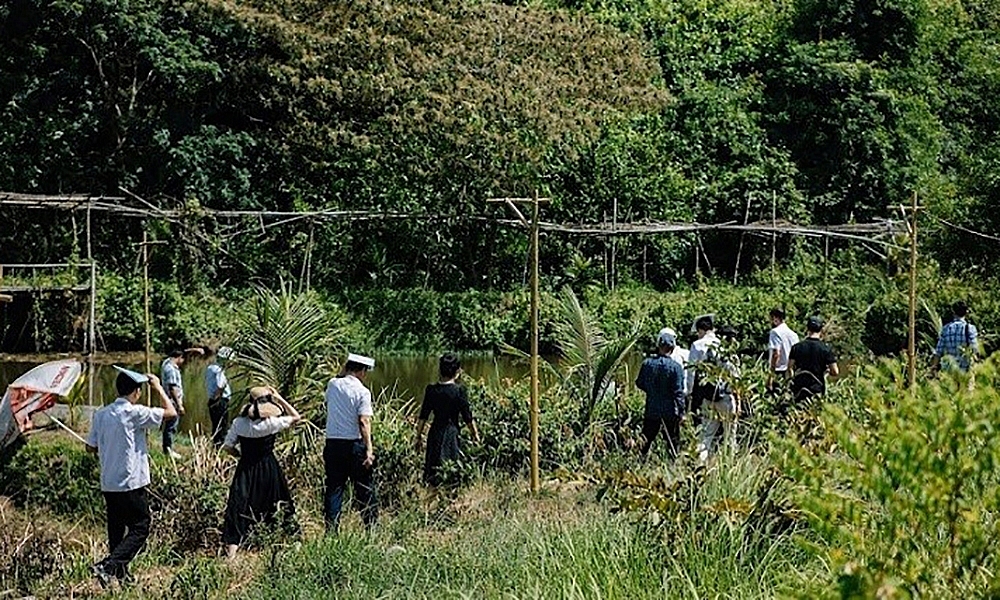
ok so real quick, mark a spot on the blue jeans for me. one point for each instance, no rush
(344, 460)
(169, 431)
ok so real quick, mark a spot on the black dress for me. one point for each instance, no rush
(449, 403)
(258, 490)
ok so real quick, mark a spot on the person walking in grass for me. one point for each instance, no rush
(449, 403)
(259, 490)
(780, 340)
(118, 436)
(349, 454)
(218, 391)
(662, 379)
(958, 343)
(723, 404)
(809, 361)
(702, 349)
(170, 372)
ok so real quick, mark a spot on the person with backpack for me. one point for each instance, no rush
(714, 374)
(958, 343)
(698, 390)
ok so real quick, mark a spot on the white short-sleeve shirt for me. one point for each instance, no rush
(118, 431)
(780, 340)
(248, 428)
(347, 399)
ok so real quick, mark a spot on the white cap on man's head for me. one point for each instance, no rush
(361, 360)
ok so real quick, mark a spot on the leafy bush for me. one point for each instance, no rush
(58, 474)
(902, 485)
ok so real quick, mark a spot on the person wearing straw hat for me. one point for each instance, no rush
(349, 454)
(118, 436)
(259, 490)
(219, 392)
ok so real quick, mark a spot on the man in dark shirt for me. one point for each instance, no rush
(662, 378)
(810, 360)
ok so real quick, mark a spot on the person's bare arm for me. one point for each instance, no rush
(475, 431)
(418, 440)
(366, 435)
(169, 412)
(834, 369)
(288, 408)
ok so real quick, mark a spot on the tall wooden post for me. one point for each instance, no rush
(91, 325)
(912, 342)
(535, 477)
(534, 409)
(145, 299)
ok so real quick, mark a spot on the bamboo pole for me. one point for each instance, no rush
(912, 341)
(91, 325)
(535, 477)
(145, 298)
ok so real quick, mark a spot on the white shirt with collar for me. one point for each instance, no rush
(118, 431)
(248, 428)
(347, 399)
(698, 353)
(780, 340)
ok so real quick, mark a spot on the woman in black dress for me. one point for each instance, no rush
(449, 402)
(259, 487)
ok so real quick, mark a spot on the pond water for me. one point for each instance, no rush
(401, 376)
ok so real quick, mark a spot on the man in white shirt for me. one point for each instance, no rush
(118, 436)
(707, 342)
(170, 372)
(349, 454)
(779, 346)
(219, 392)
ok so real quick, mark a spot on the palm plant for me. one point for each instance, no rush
(287, 341)
(588, 360)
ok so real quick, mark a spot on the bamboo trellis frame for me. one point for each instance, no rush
(877, 232)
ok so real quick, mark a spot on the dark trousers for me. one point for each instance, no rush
(344, 460)
(128, 528)
(671, 428)
(217, 411)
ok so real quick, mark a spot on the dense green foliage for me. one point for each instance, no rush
(685, 109)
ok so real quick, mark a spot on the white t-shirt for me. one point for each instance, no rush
(248, 428)
(780, 340)
(118, 431)
(698, 353)
(346, 400)
(680, 355)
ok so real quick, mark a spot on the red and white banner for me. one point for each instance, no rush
(36, 390)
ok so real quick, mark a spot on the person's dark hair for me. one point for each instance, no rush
(448, 365)
(777, 313)
(704, 324)
(176, 353)
(814, 324)
(729, 333)
(126, 385)
(354, 367)
(960, 308)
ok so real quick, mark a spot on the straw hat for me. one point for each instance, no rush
(261, 397)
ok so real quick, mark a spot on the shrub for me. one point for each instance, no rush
(55, 473)
(902, 485)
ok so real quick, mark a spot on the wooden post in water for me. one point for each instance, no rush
(533, 227)
(912, 341)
